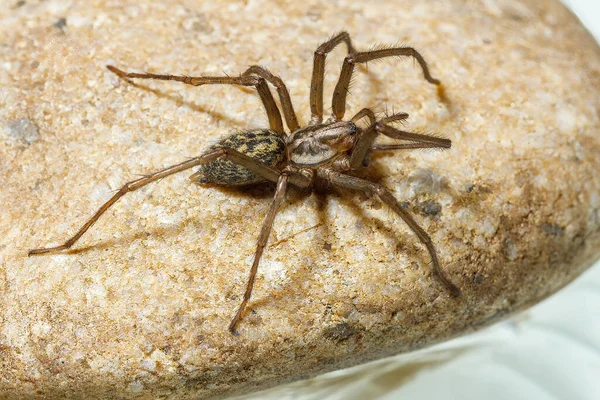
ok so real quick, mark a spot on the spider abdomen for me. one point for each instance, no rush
(264, 145)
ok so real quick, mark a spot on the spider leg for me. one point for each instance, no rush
(284, 94)
(260, 246)
(364, 143)
(404, 146)
(245, 79)
(234, 156)
(365, 112)
(341, 89)
(316, 85)
(413, 137)
(371, 188)
(395, 117)
(365, 139)
(362, 146)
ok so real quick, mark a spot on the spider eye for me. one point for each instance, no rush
(353, 129)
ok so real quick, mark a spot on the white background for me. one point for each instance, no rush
(550, 352)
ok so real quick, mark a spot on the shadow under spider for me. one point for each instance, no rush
(180, 102)
(257, 191)
(304, 273)
(378, 86)
(406, 242)
(162, 232)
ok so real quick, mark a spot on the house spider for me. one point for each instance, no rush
(321, 151)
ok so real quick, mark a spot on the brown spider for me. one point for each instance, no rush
(319, 151)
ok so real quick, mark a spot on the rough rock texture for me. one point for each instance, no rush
(139, 308)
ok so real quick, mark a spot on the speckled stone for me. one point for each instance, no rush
(139, 308)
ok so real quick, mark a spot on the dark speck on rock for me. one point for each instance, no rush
(478, 279)
(339, 332)
(61, 23)
(430, 207)
(553, 229)
(22, 129)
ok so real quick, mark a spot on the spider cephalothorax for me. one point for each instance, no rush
(328, 151)
(317, 145)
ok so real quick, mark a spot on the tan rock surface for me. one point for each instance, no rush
(139, 308)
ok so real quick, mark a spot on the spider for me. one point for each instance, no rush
(327, 151)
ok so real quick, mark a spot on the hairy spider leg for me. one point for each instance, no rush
(232, 155)
(371, 188)
(364, 143)
(365, 112)
(406, 146)
(427, 141)
(260, 245)
(365, 139)
(284, 94)
(341, 89)
(246, 79)
(318, 75)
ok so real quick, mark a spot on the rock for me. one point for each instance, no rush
(22, 129)
(139, 308)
